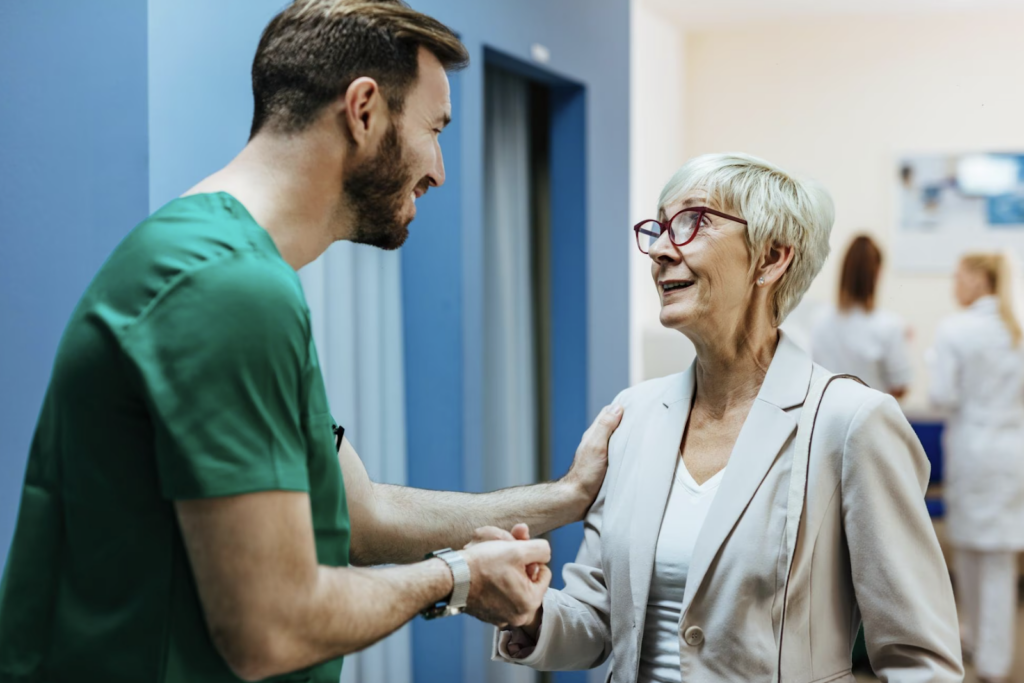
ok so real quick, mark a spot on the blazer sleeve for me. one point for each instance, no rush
(899, 575)
(575, 630)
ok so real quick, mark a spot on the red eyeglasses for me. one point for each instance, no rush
(682, 228)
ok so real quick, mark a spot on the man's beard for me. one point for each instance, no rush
(376, 192)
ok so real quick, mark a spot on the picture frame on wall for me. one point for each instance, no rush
(950, 203)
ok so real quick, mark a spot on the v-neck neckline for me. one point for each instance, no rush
(684, 477)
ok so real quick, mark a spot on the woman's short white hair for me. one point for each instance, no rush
(779, 208)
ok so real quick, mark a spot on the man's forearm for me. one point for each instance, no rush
(350, 609)
(412, 522)
(398, 524)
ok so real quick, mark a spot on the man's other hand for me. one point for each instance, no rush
(508, 578)
(591, 461)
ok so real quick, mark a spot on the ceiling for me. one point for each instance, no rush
(695, 14)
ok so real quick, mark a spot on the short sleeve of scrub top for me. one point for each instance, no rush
(223, 357)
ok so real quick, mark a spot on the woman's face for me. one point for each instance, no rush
(969, 285)
(706, 284)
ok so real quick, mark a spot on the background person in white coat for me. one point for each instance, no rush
(855, 337)
(977, 368)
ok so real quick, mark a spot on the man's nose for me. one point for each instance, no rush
(436, 174)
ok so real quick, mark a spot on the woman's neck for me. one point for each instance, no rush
(729, 375)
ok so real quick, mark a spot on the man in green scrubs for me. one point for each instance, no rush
(187, 514)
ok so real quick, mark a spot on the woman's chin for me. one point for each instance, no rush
(676, 317)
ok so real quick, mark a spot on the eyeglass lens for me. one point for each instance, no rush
(683, 227)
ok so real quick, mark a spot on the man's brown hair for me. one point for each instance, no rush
(861, 268)
(312, 51)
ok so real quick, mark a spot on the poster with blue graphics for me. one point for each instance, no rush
(949, 204)
(1007, 209)
(942, 192)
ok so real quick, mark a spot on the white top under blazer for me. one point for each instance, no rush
(687, 508)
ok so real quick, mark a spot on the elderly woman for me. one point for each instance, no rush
(726, 544)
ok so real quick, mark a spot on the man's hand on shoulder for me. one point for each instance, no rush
(591, 462)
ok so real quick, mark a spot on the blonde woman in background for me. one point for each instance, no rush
(855, 337)
(977, 368)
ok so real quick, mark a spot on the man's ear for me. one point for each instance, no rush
(364, 111)
(774, 262)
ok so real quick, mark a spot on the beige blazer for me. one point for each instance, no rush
(866, 548)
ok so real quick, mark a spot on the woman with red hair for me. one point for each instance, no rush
(856, 337)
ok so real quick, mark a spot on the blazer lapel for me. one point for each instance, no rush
(659, 451)
(765, 433)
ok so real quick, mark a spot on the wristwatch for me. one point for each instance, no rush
(456, 602)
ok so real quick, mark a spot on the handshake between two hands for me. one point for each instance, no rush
(510, 575)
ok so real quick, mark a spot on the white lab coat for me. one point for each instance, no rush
(978, 376)
(870, 345)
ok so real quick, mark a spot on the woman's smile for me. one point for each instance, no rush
(673, 288)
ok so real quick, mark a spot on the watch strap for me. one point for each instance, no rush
(456, 603)
(460, 572)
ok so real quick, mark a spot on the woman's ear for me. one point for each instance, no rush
(774, 262)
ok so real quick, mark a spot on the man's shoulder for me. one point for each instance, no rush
(199, 252)
(240, 289)
(197, 232)
(244, 275)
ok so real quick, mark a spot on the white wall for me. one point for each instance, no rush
(838, 99)
(657, 102)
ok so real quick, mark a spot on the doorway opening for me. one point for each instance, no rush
(534, 286)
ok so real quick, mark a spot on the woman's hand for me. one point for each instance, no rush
(508, 580)
(520, 532)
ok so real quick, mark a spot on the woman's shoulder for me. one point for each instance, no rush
(638, 403)
(849, 406)
(649, 391)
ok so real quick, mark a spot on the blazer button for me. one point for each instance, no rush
(694, 635)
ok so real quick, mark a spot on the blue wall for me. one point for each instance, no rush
(200, 94)
(73, 182)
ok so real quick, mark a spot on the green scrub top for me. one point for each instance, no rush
(188, 370)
